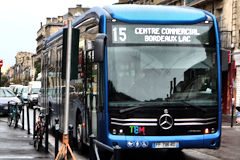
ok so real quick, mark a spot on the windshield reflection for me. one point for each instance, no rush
(162, 74)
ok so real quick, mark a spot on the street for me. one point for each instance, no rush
(17, 144)
(120, 80)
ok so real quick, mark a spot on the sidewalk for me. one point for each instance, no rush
(226, 121)
(16, 144)
(51, 139)
(29, 138)
(230, 141)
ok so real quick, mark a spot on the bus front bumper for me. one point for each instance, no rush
(163, 142)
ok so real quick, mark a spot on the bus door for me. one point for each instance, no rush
(88, 91)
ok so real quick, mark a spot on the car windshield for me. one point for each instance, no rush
(25, 90)
(35, 90)
(19, 90)
(6, 93)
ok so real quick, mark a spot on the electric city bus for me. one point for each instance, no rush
(148, 77)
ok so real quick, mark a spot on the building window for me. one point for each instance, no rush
(239, 39)
(220, 18)
(189, 1)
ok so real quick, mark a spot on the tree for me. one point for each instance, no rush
(26, 80)
(37, 65)
(17, 81)
(4, 81)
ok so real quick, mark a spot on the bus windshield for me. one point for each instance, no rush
(139, 74)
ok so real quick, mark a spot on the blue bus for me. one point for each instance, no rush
(148, 77)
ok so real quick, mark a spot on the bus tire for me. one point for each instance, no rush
(79, 134)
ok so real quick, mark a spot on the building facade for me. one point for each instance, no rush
(10, 74)
(52, 26)
(23, 67)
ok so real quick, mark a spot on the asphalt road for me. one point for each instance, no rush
(16, 144)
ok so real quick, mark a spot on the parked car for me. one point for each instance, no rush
(23, 95)
(15, 86)
(18, 90)
(33, 92)
(7, 95)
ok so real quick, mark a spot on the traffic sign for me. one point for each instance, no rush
(1, 63)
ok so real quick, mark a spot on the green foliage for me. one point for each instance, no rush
(37, 65)
(4, 81)
(17, 81)
(26, 80)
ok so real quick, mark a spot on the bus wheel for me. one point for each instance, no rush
(79, 134)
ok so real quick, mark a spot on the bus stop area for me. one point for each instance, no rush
(16, 143)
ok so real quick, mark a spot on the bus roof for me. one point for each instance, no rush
(153, 14)
(156, 14)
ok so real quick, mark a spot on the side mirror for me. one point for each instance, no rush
(238, 108)
(99, 47)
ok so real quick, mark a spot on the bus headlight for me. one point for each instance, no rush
(120, 131)
(213, 130)
(114, 131)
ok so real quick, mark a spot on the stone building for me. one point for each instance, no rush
(23, 67)
(52, 26)
(10, 74)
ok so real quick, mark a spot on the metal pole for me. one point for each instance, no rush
(28, 120)
(56, 136)
(70, 127)
(34, 121)
(232, 115)
(23, 110)
(46, 133)
(68, 68)
(117, 153)
(91, 148)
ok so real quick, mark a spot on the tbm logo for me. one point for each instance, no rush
(137, 130)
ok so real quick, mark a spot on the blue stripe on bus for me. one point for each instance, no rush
(185, 141)
(219, 68)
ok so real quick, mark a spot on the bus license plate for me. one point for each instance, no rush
(167, 145)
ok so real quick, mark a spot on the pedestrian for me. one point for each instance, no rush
(238, 115)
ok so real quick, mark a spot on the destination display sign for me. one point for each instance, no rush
(160, 34)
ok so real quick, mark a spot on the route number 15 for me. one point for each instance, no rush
(119, 34)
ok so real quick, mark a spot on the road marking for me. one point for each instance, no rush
(16, 157)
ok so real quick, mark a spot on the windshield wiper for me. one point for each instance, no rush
(137, 107)
(190, 105)
(158, 104)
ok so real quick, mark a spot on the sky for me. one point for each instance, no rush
(20, 20)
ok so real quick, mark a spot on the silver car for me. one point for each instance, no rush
(7, 95)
